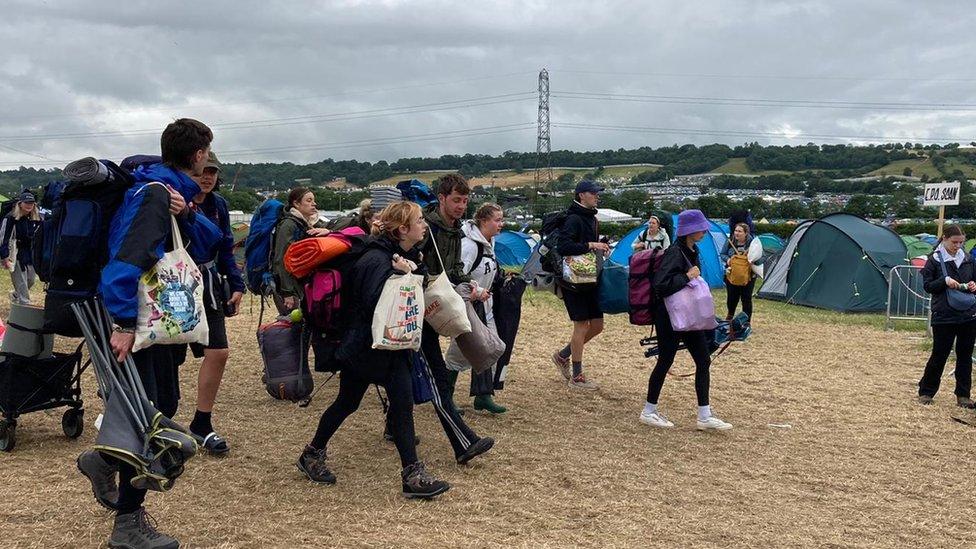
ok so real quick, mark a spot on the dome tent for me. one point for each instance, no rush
(838, 262)
(916, 247)
(512, 249)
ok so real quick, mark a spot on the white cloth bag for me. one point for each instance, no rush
(398, 319)
(444, 309)
(171, 300)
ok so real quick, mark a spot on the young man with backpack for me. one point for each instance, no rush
(579, 235)
(444, 236)
(223, 288)
(136, 241)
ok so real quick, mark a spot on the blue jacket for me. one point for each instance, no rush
(214, 208)
(140, 233)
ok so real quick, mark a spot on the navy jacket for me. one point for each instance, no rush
(140, 233)
(214, 207)
(23, 231)
(935, 284)
(578, 230)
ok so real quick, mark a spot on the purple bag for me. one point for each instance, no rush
(692, 308)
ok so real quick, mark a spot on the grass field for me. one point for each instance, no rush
(738, 166)
(861, 464)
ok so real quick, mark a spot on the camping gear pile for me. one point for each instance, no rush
(34, 378)
(720, 338)
(132, 429)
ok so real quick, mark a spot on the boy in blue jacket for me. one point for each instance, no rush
(138, 237)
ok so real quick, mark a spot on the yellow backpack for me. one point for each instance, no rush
(739, 271)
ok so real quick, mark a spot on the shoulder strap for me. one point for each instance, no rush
(477, 258)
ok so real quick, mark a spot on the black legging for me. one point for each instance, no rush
(943, 336)
(667, 340)
(399, 390)
(734, 293)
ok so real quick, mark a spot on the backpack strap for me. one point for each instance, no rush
(477, 258)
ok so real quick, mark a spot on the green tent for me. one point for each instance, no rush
(970, 244)
(838, 262)
(915, 246)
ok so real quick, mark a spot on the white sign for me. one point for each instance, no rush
(941, 194)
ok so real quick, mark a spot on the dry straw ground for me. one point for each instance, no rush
(862, 465)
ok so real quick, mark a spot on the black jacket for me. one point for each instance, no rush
(672, 275)
(935, 284)
(579, 229)
(22, 230)
(366, 280)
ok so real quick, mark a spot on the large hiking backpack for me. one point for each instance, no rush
(70, 247)
(258, 247)
(417, 191)
(552, 225)
(640, 285)
(286, 374)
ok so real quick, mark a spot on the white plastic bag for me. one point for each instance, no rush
(444, 308)
(398, 319)
(171, 300)
(580, 269)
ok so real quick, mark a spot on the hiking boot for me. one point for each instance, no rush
(579, 381)
(101, 474)
(213, 443)
(480, 446)
(656, 419)
(713, 423)
(488, 404)
(419, 484)
(563, 365)
(312, 463)
(925, 399)
(965, 402)
(137, 530)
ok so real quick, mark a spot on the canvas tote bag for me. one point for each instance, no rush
(398, 319)
(171, 300)
(444, 309)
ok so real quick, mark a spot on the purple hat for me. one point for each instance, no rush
(691, 221)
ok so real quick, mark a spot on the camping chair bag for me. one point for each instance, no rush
(171, 300)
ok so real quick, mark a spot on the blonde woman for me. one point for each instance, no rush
(400, 228)
(17, 230)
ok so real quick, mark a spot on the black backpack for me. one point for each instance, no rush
(70, 247)
(552, 225)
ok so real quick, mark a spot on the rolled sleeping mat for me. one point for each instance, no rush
(24, 335)
(87, 171)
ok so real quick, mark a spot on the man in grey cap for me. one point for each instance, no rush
(17, 229)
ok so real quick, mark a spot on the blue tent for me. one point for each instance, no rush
(613, 288)
(512, 249)
(710, 247)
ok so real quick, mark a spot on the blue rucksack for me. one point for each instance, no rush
(257, 247)
(417, 191)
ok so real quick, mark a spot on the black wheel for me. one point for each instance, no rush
(73, 422)
(8, 438)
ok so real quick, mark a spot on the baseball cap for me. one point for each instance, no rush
(588, 186)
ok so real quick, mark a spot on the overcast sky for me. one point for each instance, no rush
(373, 80)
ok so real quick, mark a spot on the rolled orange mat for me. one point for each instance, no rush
(305, 255)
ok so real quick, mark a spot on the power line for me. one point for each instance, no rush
(264, 101)
(770, 76)
(751, 102)
(738, 133)
(308, 119)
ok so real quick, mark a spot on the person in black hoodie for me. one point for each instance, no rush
(579, 235)
(402, 227)
(16, 232)
(679, 266)
(949, 267)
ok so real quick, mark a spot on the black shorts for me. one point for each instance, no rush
(216, 322)
(582, 304)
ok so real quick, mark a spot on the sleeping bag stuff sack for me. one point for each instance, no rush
(286, 375)
(304, 256)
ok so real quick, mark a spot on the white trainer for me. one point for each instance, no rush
(713, 423)
(656, 419)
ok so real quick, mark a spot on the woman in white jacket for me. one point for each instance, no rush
(478, 257)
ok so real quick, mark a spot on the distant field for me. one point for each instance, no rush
(738, 166)
(919, 167)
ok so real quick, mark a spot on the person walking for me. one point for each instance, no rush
(679, 266)
(949, 269)
(16, 235)
(653, 236)
(478, 257)
(580, 235)
(223, 290)
(393, 250)
(300, 219)
(742, 244)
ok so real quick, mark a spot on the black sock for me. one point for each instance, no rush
(577, 368)
(201, 423)
(565, 352)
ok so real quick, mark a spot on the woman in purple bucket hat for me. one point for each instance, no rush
(679, 266)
